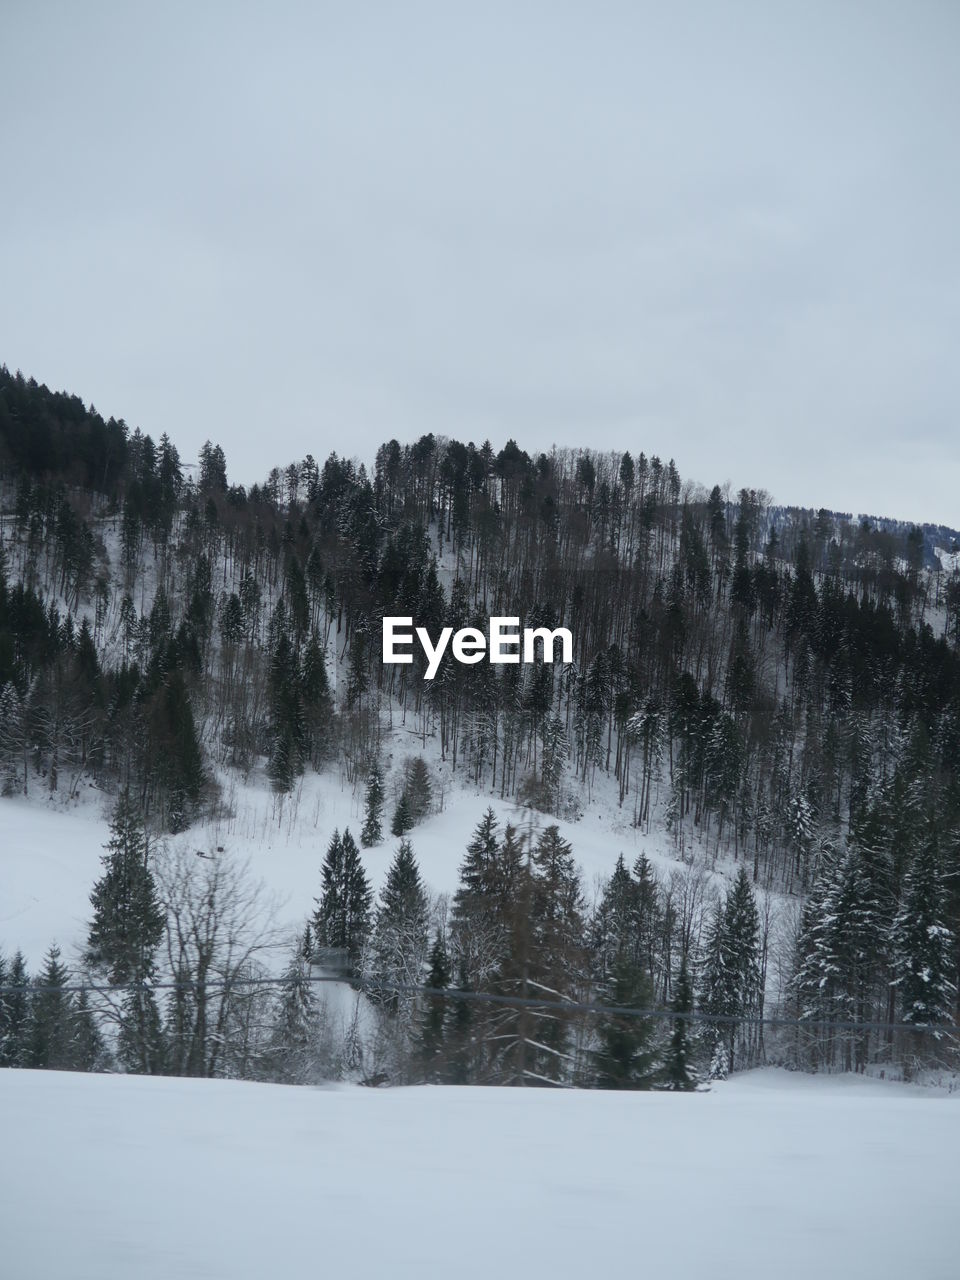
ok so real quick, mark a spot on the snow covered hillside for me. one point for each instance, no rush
(50, 851)
(770, 1174)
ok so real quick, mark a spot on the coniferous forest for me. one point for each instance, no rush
(774, 691)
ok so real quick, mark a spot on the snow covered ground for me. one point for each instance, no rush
(949, 560)
(771, 1174)
(49, 860)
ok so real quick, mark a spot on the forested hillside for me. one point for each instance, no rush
(778, 691)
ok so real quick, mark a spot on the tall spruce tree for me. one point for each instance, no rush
(626, 1057)
(923, 943)
(614, 926)
(417, 789)
(839, 953)
(402, 817)
(317, 703)
(342, 918)
(398, 951)
(88, 1050)
(15, 1007)
(50, 1023)
(730, 969)
(128, 919)
(372, 831)
(292, 1052)
(127, 926)
(478, 931)
(679, 1073)
(557, 955)
(431, 1041)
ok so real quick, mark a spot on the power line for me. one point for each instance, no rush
(811, 1024)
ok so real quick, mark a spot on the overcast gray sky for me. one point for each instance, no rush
(723, 232)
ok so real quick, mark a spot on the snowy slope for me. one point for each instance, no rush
(772, 1174)
(50, 851)
(49, 860)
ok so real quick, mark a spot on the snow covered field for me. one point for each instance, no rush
(771, 1174)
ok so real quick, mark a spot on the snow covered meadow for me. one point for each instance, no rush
(769, 1174)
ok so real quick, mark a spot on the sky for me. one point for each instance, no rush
(725, 232)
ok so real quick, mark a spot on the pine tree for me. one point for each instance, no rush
(178, 758)
(626, 1058)
(730, 981)
(316, 700)
(614, 927)
(923, 943)
(556, 951)
(50, 1023)
(719, 1062)
(342, 918)
(14, 740)
(478, 931)
(718, 993)
(432, 1037)
(679, 1073)
(402, 817)
(126, 929)
(742, 924)
(292, 1050)
(647, 914)
(839, 954)
(88, 1052)
(140, 1044)
(478, 867)
(399, 947)
(15, 1007)
(128, 919)
(418, 789)
(372, 832)
(287, 721)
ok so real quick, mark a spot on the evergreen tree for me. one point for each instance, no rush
(556, 952)
(478, 931)
(126, 929)
(128, 919)
(647, 914)
(924, 956)
(88, 1050)
(614, 927)
(838, 956)
(317, 702)
(14, 1013)
(432, 1037)
(402, 817)
(342, 918)
(175, 756)
(288, 730)
(679, 1073)
(372, 832)
(399, 948)
(719, 1062)
(742, 923)
(477, 870)
(417, 789)
(292, 1050)
(50, 1023)
(730, 980)
(626, 1058)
